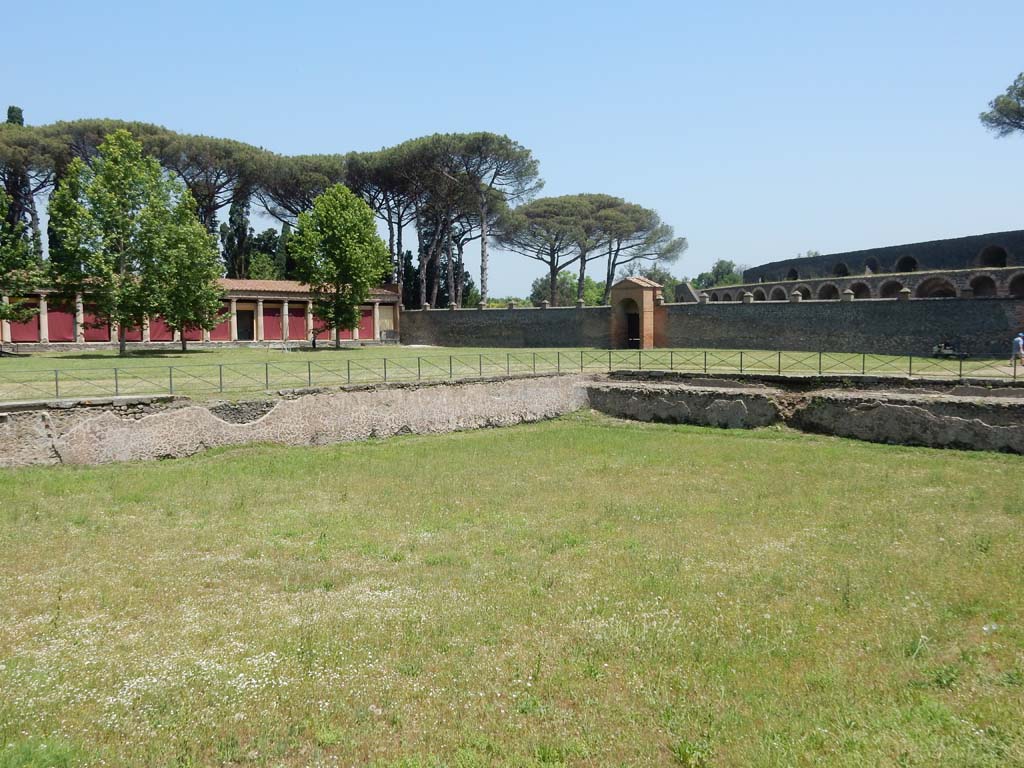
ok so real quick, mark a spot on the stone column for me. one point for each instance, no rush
(115, 332)
(234, 319)
(846, 295)
(747, 298)
(206, 336)
(284, 320)
(703, 298)
(904, 294)
(355, 331)
(796, 297)
(145, 330)
(309, 319)
(44, 320)
(259, 319)
(79, 319)
(5, 327)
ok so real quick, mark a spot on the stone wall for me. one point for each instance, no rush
(872, 326)
(133, 429)
(554, 327)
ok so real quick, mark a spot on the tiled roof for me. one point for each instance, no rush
(287, 286)
(643, 282)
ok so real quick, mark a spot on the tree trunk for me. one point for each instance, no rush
(122, 339)
(401, 253)
(335, 332)
(553, 285)
(460, 270)
(391, 244)
(609, 273)
(483, 249)
(450, 272)
(583, 275)
(184, 342)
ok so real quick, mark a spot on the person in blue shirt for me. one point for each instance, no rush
(1018, 349)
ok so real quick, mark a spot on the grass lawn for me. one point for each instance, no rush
(583, 592)
(234, 372)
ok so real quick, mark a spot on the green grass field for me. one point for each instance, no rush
(204, 373)
(583, 592)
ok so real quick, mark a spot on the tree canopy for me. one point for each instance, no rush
(722, 272)
(1005, 115)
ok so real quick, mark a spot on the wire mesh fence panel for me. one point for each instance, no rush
(927, 367)
(28, 385)
(992, 369)
(327, 375)
(623, 359)
(884, 365)
(723, 362)
(365, 371)
(688, 361)
(435, 367)
(657, 360)
(289, 375)
(244, 377)
(798, 363)
(493, 365)
(760, 362)
(546, 362)
(519, 362)
(840, 363)
(591, 360)
(88, 382)
(194, 379)
(401, 369)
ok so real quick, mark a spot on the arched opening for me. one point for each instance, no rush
(759, 295)
(726, 296)
(861, 291)
(992, 256)
(872, 267)
(828, 292)
(983, 287)
(714, 296)
(804, 291)
(841, 270)
(1017, 286)
(792, 275)
(630, 338)
(778, 294)
(906, 264)
(936, 288)
(891, 289)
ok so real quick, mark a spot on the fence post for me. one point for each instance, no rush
(780, 362)
(863, 363)
(348, 366)
(741, 361)
(961, 374)
(558, 362)
(609, 361)
(671, 360)
(910, 366)
(819, 363)
(508, 363)
(581, 361)
(117, 384)
(385, 369)
(419, 368)
(639, 359)
(451, 368)
(534, 362)
(221, 376)
(480, 365)
(1014, 368)
(309, 373)
(170, 379)
(705, 361)
(56, 383)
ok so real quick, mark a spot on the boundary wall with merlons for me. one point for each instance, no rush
(978, 327)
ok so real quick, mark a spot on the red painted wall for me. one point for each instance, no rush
(194, 334)
(93, 333)
(133, 334)
(271, 323)
(27, 331)
(61, 322)
(366, 325)
(323, 333)
(159, 330)
(297, 323)
(222, 331)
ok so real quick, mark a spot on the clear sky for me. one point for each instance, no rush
(757, 130)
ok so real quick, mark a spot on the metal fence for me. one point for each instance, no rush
(220, 378)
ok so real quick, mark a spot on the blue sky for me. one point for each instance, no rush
(758, 131)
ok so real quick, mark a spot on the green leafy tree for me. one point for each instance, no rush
(339, 255)
(540, 291)
(235, 239)
(112, 219)
(20, 270)
(659, 274)
(1006, 111)
(262, 266)
(190, 266)
(722, 272)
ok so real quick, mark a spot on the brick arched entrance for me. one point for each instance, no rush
(635, 302)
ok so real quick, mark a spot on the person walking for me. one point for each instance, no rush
(1018, 349)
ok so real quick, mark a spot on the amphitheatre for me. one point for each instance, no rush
(334, 503)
